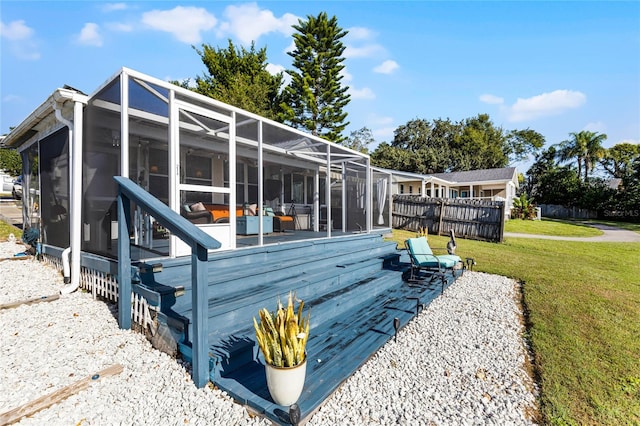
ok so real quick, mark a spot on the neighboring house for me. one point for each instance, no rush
(614, 183)
(488, 184)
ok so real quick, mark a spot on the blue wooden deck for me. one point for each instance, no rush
(352, 284)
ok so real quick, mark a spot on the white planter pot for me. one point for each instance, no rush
(286, 383)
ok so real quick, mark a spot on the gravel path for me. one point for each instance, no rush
(461, 361)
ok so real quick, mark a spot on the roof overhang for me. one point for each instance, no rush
(30, 126)
(398, 176)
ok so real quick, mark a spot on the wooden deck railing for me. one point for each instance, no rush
(199, 242)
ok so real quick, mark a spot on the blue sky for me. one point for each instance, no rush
(554, 67)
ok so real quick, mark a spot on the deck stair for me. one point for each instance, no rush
(353, 286)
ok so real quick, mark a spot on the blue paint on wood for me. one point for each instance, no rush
(124, 262)
(199, 242)
(355, 291)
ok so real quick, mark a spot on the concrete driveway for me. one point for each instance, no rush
(611, 235)
(11, 211)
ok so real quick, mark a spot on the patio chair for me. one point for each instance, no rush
(423, 259)
(281, 222)
(196, 217)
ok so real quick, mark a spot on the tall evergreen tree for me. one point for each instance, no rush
(315, 99)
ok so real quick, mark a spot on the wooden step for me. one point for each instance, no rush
(336, 350)
(327, 308)
(225, 314)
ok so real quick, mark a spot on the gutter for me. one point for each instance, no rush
(59, 97)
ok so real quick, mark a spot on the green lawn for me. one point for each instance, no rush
(551, 227)
(583, 303)
(6, 229)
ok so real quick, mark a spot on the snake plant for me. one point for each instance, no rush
(282, 335)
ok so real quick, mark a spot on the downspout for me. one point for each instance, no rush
(72, 280)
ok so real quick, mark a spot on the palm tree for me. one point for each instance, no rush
(586, 147)
(570, 149)
(594, 150)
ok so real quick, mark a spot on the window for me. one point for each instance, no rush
(401, 188)
(410, 189)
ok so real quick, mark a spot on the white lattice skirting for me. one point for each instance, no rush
(106, 286)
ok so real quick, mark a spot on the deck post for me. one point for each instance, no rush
(124, 262)
(200, 304)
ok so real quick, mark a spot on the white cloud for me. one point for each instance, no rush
(185, 23)
(546, 104)
(359, 33)
(112, 7)
(274, 69)
(375, 120)
(346, 75)
(364, 93)
(12, 99)
(20, 39)
(90, 35)
(597, 126)
(491, 99)
(16, 30)
(383, 133)
(387, 67)
(381, 128)
(365, 51)
(291, 47)
(359, 43)
(119, 27)
(247, 22)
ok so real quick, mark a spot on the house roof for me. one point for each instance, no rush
(483, 175)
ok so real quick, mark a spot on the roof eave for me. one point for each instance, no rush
(25, 130)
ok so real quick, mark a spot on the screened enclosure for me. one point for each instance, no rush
(191, 151)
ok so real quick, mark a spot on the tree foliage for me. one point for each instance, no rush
(359, 140)
(239, 77)
(523, 208)
(522, 143)
(628, 200)
(315, 99)
(618, 160)
(10, 161)
(586, 148)
(438, 146)
(549, 182)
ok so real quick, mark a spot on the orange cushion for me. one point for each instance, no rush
(221, 210)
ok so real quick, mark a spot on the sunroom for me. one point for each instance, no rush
(191, 152)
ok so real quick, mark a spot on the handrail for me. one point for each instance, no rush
(197, 239)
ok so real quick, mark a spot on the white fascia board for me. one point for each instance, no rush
(483, 182)
(41, 112)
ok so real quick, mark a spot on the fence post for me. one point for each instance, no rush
(441, 215)
(502, 212)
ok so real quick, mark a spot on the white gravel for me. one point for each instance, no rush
(461, 361)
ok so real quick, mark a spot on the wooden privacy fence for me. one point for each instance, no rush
(469, 218)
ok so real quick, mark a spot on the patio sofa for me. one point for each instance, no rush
(220, 212)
